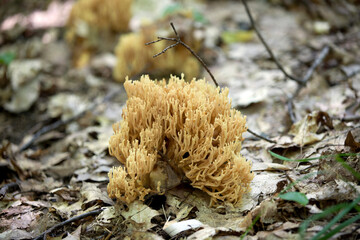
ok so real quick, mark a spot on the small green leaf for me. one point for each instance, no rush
(173, 8)
(337, 218)
(250, 227)
(6, 58)
(296, 197)
(238, 36)
(275, 155)
(347, 166)
(199, 17)
(326, 213)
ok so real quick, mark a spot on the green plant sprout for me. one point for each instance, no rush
(250, 227)
(6, 58)
(343, 208)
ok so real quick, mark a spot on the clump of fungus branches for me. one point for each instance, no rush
(188, 127)
(93, 23)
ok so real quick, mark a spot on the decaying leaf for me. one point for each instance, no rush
(108, 214)
(350, 142)
(45, 185)
(25, 84)
(94, 195)
(305, 131)
(21, 214)
(66, 105)
(65, 193)
(16, 234)
(140, 213)
(74, 235)
(173, 228)
(66, 209)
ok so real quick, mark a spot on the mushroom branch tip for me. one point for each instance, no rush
(173, 130)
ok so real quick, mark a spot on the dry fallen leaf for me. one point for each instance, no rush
(16, 234)
(93, 195)
(140, 213)
(66, 105)
(350, 142)
(305, 131)
(76, 235)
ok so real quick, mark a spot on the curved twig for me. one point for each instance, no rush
(268, 49)
(8, 187)
(261, 137)
(76, 218)
(179, 41)
(301, 81)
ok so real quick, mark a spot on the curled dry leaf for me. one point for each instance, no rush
(94, 195)
(25, 84)
(350, 142)
(306, 130)
(140, 213)
(66, 105)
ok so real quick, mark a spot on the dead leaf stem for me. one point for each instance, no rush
(301, 81)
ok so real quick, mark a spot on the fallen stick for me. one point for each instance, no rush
(8, 187)
(179, 41)
(324, 52)
(70, 220)
(301, 81)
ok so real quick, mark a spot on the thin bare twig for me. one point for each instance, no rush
(324, 52)
(179, 41)
(348, 118)
(268, 49)
(76, 218)
(9, 186)
(261, 137)
(60, 122)
(301, 81)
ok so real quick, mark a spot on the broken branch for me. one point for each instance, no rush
(8, 187)
(179, 41)
(308, 74)
(301, 81)
(76, 218)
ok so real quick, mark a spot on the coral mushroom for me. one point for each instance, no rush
(93, 22)
(187, 128)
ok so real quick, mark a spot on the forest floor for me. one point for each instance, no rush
(56, 121)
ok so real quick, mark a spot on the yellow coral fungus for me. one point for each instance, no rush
(94, 21)
(188, 126)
